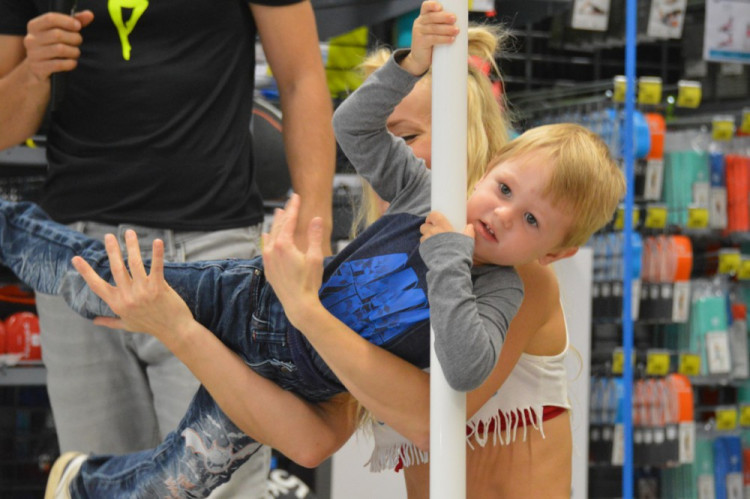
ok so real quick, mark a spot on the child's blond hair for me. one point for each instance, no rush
(585, 180)
(487, 124)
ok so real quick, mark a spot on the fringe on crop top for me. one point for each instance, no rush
(536, 385)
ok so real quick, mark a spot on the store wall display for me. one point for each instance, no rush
(691, 288)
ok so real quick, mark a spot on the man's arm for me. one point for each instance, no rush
(290, 41)
(26, 63)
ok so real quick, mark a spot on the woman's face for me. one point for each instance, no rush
(412, 120)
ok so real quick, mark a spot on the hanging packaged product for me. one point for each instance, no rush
(689, 94)
(649, 90)
(745, 122)
(620, 86)
(22, 331)
(738, 343)
(738, 185)
(728, 466)
(708, 328)
(717, 213)
(654, 170)
(669, 401)
(704, 465)
(729, 261)
(722, 128)
(665, 18)
(591, 15)
(681, 410)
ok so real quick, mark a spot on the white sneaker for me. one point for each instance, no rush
(62, 473)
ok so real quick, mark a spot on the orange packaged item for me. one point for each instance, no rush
(656, 127)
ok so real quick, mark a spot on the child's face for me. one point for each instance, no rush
(512, 221)
(412, 120)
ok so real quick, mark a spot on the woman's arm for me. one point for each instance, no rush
(395, 391)
(306, 433)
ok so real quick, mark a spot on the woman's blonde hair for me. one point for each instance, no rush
(488, 122)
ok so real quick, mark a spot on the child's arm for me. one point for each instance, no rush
(307, 433)
(359, 123)
(387, 163)
(470, 314)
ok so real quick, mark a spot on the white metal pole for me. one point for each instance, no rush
(449, 111)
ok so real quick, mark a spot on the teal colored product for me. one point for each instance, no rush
(675, 338)
(708, 318)
(699, 166)
(684, 171)
(667, 189)
(403, 27)
(704, 465)
(676, 189)
(743, 392)
(682, 330)
(700, 173)
(688, 479)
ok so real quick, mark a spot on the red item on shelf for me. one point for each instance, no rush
(738, 193)
(22, 335)
(15, 293)
(739, 311)
(3, 340)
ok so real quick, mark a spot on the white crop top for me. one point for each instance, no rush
(535, 382)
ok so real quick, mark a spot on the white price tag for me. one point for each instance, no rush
(618, 446)
(706, 488)
(734, 485)
(681, 302)
(654, 179)
(717, 352)
(687, 442)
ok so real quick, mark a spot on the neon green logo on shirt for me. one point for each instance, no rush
(124, 28)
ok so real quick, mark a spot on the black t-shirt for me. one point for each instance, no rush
(154, 125)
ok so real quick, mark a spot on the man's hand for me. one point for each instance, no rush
(52, 42)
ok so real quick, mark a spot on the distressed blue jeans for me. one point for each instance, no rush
(230, 297)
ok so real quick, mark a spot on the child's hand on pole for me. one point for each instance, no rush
(295, 276)
(437, 223)
(433, 27)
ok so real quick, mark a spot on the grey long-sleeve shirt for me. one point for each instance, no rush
(470, 307)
